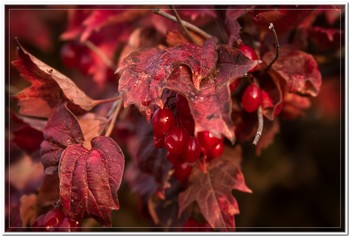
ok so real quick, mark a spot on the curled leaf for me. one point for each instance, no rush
(90, 179)
(49, 88)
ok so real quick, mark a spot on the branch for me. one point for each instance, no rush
(260, 126)
(183, 28)
(277, 47)
(185, 23)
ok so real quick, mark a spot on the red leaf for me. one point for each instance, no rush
(298, 69)
(212, 190)
(90, 179)
(62, 130)
(49, 88)
(91, 126)
(146, 73)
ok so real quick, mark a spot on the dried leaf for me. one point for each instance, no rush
(91, 126)
(212, 190)
(90, 179)
(28, 209)
(49, 88)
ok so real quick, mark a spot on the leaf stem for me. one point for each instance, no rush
(117, 107)
(99, 53)
(260, 126)
(183, 28)
(185, 23)
(277, 47)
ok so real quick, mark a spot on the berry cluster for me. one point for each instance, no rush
(55, 220)
(75, 55)
(176, 134)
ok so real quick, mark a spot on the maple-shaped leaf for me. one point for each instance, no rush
(199, 73)
(62, 130)
(212, 190)
(49, 88)
(90, 179)
(298, 69)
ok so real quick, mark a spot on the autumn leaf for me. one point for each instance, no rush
(49, 88)
(212, 190)
(298, 69)
(90, 179)
(201, 74)
(62, 130)
(28, 209)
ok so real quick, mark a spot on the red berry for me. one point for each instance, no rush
(70, 54)
(182, 172)
(217, 151)
(193, 150)
(252, 98)
(162, 120)
(249, 53)
(158, 140)
(207, 140)
(174, 159)
(53, 218)
(175, 140)
(182, 105)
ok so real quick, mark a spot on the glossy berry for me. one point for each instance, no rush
(193, 150)
(175, 140)
(217, 151)
(182, 105)
(207, 141)
(252, 98)
(53, 218)
(182, 172)
(174, 159)
(163, 120)
(158, 140)
(249, 53)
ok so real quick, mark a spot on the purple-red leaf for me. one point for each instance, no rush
(212, 190)
(90, 179)
(62, 130)
(232, 24)
(49, 88)
(298, 69)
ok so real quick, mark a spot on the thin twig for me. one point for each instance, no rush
(103, 57)
(277, 47)
(117, 97)
(183, 28)
(185, 23)
(260, 126)
(114, 117)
